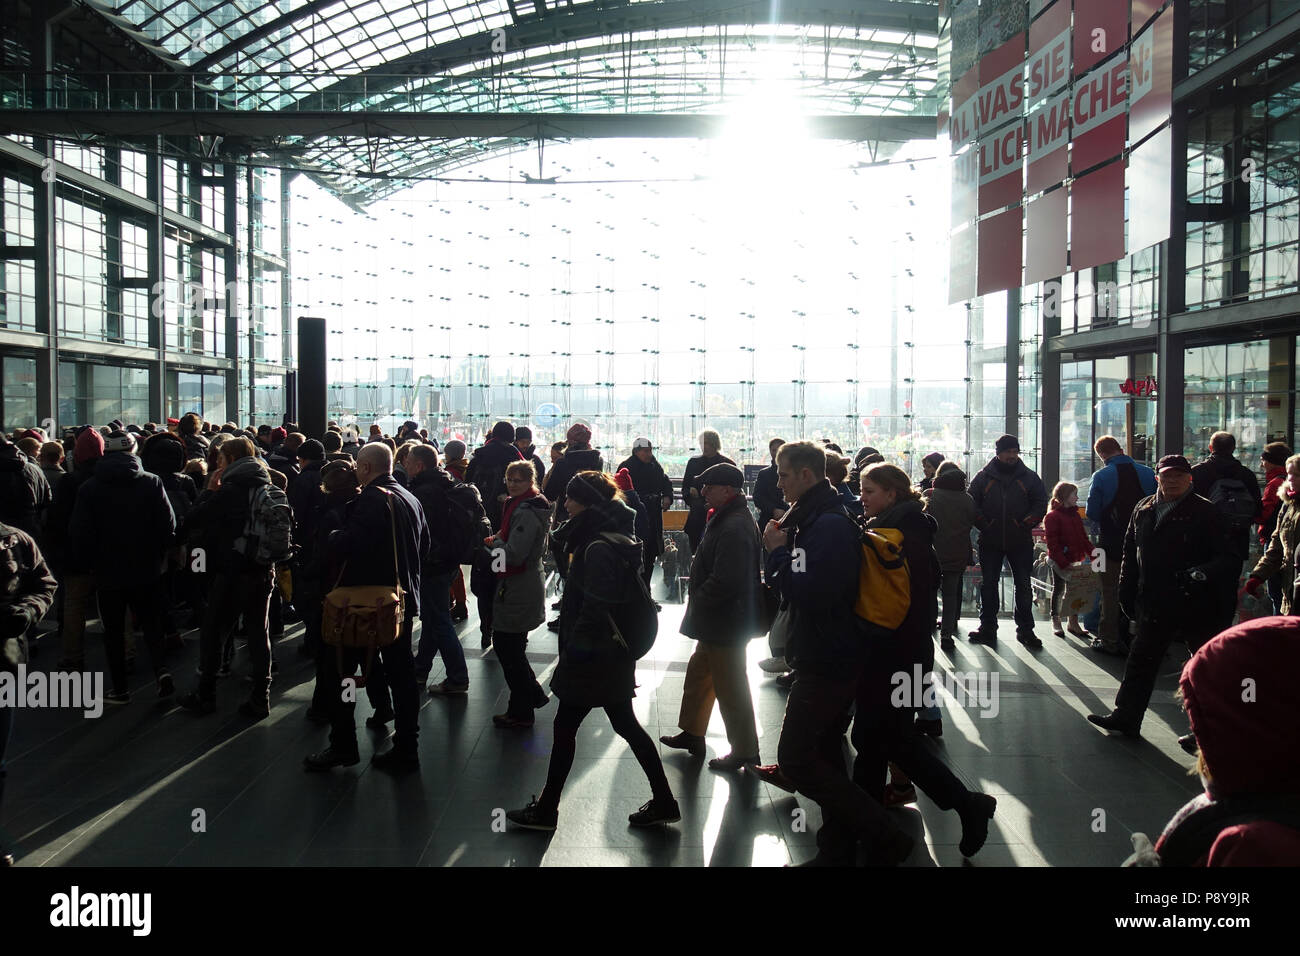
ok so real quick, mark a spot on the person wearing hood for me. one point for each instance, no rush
(1176, 554)
(710, 455)
(954, 513)
(520, 601)
(1248, 753)
(1278, 562)
(524, 442)
(930, 465)
(594, 671)
(884, 731)
(1274, 459)
(24, 490)
(127, 564)
(237, 585)
(1010, 501)
(722, 615)
(578, 456)
(655, 489)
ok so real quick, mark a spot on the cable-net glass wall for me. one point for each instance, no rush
(760, 288)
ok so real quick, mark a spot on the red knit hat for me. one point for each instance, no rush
(89, 446)
(1239, 697)
(279, 434)
(623, 479)
(579, 434)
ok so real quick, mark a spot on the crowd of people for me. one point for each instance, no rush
(843, 564)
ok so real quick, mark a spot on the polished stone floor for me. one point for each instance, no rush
(151, 785)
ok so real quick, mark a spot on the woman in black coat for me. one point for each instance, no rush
(882, 731)
(593, 670)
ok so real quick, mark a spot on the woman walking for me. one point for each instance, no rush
(593, 670)
(519, 604)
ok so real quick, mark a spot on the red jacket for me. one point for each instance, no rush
(1067, 542)
(1275, 474)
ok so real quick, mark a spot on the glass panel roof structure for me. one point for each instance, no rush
(829, 57)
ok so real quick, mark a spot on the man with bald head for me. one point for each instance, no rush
(385, 518)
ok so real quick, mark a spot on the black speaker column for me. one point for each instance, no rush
(311, 376)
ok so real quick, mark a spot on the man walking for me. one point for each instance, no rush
(1176, 556)
(1233, 489)
(1010, 500)
(1113, 494)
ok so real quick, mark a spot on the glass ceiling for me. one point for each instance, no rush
(577, 57)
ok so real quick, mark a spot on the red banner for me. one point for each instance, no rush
(1001, 168)
(1002, 85)
(1097, 218)
(1045, 225)
(1149, 180)
(1100, 28)
(1000, 245)
(961, 265)
(1048, 132)
(1048, 67)
(1151, 70)
(1098, 116)
(963, 124)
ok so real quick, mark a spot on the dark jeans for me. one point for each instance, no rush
(525, 692)
(398, 670)
(950, 590)
(1021, 560)
(569, 718)
(231, 594)
(811, 754)
(1275, 590)
(1144, 659)
(142, 599)
(1058, 593)
(883, 732)
(437, 632)
(483, 585)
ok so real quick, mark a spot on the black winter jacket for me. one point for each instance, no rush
(767, 496)
(570, 463)
(722, 607)
(594, 671)
(122, 523)
(825, 637)
(59, 520)
(691, 480)
(24, 490)
(430, 488)
(1009, 504)
(1153, 590)
(487, 472)
(219, 517)
(366, 541)
(1207, 472)
(653, 487)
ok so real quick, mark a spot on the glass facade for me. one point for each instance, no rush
(1099, 397)
(17, 267)
(18, 393)
(91, 393)
(198, 392)
(1246, 388)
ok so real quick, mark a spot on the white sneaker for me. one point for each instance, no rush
(773, 665)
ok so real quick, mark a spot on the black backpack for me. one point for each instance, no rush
(635, 620)
(1234, 502)
(467, 523)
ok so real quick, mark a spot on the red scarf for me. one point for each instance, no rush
(504, 533)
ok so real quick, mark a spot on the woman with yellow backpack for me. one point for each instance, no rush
(884, 725)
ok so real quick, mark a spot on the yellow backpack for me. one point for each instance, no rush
(884, 580)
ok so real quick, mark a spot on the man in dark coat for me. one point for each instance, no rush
(722, 615)
(1176, 555)
(122, 526)
(813, 558)
(710, 455)
(24, 490)
(1234, 491)
(1010, 501)
(384, 517)
(487, 469)
(26, 592)
(767, 496)
(655, 489)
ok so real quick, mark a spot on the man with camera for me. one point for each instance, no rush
(1176, 554)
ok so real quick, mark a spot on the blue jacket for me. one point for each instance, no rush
(821, 590)
(1105, 482)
